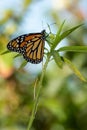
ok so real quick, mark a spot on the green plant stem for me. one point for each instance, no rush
(38, 94)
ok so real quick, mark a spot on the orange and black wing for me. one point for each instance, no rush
(17, 44)
(34, 49)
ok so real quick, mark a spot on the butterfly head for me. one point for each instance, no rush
(44, 34)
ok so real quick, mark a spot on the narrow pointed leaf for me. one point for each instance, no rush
(56, 41)
(5, 52)
(58, 37)
(66, 33)
(60, 29)
(17, 55)
(73, 48)
(74, 69)
(23, 64)
(57, 59)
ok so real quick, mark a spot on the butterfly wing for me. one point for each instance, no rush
(34, 49)
(17, 44)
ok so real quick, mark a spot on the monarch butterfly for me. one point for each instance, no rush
(31, 46)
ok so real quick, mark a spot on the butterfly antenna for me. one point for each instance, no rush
(49, 27)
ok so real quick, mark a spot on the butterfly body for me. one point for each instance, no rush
(31, 46)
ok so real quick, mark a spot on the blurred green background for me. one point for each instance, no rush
(63, 101)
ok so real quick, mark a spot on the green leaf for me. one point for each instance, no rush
(58, 37)
(17, 55)
(57, 59)
(60, 29)
(23, 64)
(73, 48)
(66, 33)
(74, 69)
(5, 52)
(50, 39)
(56, 41)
